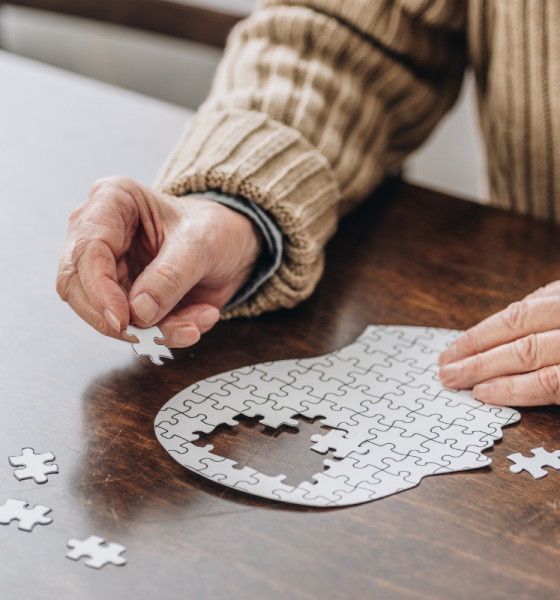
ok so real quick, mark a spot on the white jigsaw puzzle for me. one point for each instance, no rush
(146, 345)
(534, 465)
(100, 553)
(34, 465)
(393, 421)
(16, 510)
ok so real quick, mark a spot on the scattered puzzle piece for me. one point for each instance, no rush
(34, 465)
(146, 345)
(534, 465)
(99, 551)
(393, 421)
(27, 517)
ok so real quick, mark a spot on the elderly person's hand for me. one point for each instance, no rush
(513, 357)
(134, 255)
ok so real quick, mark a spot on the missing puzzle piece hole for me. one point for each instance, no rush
(270, 451)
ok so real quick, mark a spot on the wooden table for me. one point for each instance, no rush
(408, 256)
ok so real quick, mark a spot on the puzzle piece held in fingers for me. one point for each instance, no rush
(146, 344)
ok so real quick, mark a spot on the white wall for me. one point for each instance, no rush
(181, 72)
(167, 68)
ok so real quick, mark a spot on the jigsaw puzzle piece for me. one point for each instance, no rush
(328, 488)
(390, 413)
(34, 466)
(490, 419)
(442, 453)
(386, 484)
(326, 408)
(353, 470)
(16, 510)
(146, 345)
(463, 438)
(418, 357)
(268, 389)
(427, 382)
(284, 370)
(412, 469)
(340, 442)
(212, 414)
(401, 444)
(445, 409)
(168, 415)
(377, 384)
(375, 456)
(534, 464)
(186, 427)
(98, 551)
(225, 472)
(273, 415)
(173, 443)
(317, 386)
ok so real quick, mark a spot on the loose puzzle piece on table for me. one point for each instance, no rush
(393, 421)
(534, 465)
(27, 517)
(146, 345)
(34, 465)
(100, 552)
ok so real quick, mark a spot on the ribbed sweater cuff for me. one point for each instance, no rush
(246, 153)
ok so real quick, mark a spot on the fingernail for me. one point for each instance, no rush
(185, 336)
(449, 355)
(207, 318)
(449, 373)
(483, 391)
(145, 307)
(113, 320)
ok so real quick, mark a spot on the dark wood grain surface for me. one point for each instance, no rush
(407, 256)
(177, 19)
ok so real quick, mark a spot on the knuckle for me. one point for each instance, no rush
(549, 380)
(526, 351)
(538, 293)
(515, 316)
(477, 364)
(470, 341)
(77, 212)
(171, 273)
(62, 286)
(109, 184)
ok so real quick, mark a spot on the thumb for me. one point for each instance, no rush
(164, 282)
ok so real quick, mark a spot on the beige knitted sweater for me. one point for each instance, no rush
(316, 101)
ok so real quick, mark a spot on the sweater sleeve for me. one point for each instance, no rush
(314, 102)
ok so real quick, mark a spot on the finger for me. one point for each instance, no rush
(102, 234)
(516, 321)
(164, 282)
(552, 289)
(183, 327)
(538, 388)
(80, 304)
(525, 354)
(97, 269)
(70, 289)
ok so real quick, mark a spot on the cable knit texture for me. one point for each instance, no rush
(316, 101)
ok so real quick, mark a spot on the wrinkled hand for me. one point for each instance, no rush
(138, 256)
(513, 357)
